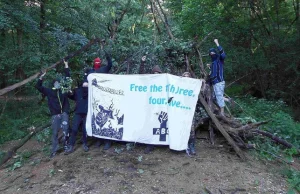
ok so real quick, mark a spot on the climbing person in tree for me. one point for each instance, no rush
(59, 107)
(80, 96)
(216, 76)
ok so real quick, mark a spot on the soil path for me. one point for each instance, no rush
(119, 170)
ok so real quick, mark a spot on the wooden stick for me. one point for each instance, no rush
(247, 127)
(275, 138)
(231, 122)
(221, 129)
(13, 150)
(25, 81)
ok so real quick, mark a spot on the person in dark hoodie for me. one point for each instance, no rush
(80, 96)
(216, 77)
(155, 70)
(98, 68)
(59, 107)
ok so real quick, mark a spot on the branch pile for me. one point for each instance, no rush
(233, 130)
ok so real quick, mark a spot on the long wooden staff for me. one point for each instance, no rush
(25, 81)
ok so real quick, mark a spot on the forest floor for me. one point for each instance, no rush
(215, 169)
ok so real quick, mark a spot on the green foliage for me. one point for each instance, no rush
(15, 123)
(20, 159)
(293, 178)
(281, 123)
(44, 136)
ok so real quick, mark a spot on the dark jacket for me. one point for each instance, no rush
(57, 102)
(102, 69)
(217, 67)
(80, 96)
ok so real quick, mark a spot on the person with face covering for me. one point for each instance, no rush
(98, 68)
(59, 107)
(80, 96)
(97, 65)
(216, 76)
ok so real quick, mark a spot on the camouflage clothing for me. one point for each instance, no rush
(199, 113)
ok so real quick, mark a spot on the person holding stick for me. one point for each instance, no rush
(59, 107)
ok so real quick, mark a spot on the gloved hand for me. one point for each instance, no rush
(41, 75)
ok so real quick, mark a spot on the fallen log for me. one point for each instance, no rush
(275, 138)
(221, 129)
(25, 81)
(13, 150)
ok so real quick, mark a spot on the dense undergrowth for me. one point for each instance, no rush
(282, 124)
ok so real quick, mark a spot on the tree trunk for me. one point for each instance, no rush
(154, 18)
(116, 22)
(162, 18)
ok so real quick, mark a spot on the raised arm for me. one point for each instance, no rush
(142, 66)
(66, 70)
(106, 68)
(39, 85)
(221, 51)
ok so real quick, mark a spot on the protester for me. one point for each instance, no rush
(216, 76)
(155, 70)
(197, 116)
(98, 68)
(59, 107)
(80, 96)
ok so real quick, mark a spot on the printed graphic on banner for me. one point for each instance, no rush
(162, 131)
(107, 122)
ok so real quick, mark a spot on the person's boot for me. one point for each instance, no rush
(69, 150)
(149, 149)
(188, 150)
(85, 148)
(107, 145)
(192, 148)
(98, 143)
(52, 155)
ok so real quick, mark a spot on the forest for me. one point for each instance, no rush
(262, 73)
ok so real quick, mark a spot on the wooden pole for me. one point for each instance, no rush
(221, 129)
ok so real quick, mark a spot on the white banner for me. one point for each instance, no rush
(151, 109)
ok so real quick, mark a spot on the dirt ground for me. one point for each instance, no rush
(215, 169)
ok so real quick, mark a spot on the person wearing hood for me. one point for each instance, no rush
(59, 107)
(80, 96)
(216, 76)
